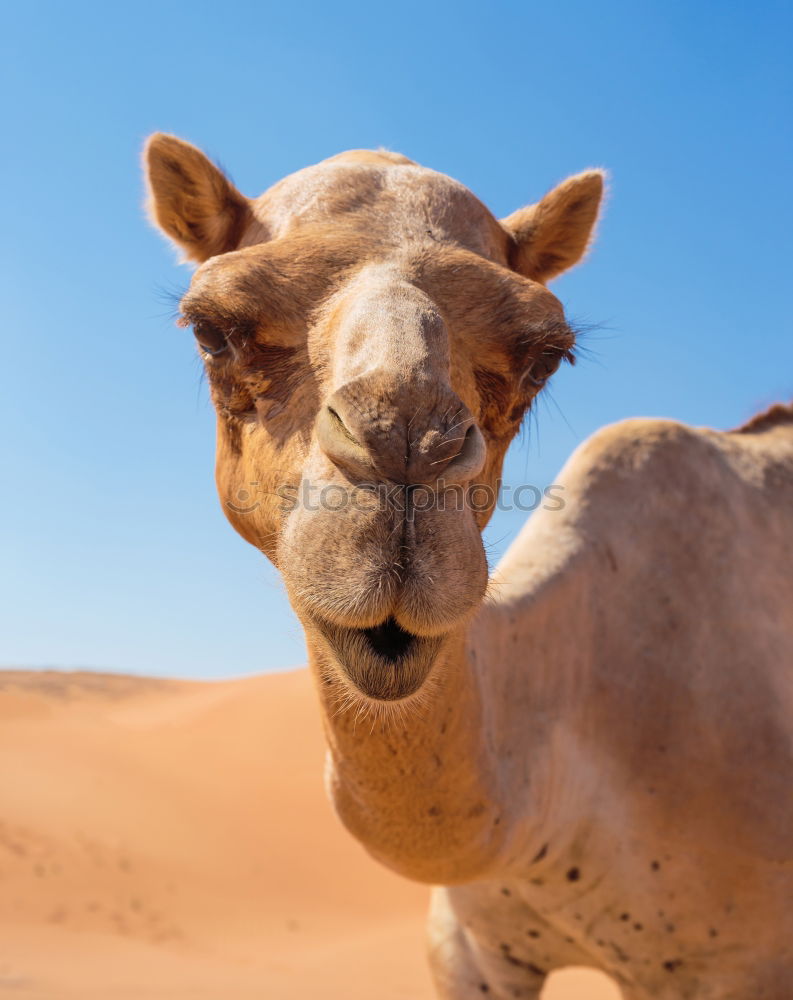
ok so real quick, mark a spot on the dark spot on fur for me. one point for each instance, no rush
(533, 934)
(505, 892)
(434, 811)
(540, 854)
(713, 932)
(484, 988)
(622, 955)
(573, 875)
(673, 964)
(520, 963)
(670, 928)
(638, 927)
(625, 916)
(655, 865)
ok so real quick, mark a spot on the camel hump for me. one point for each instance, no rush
(779, 413)
(665, 448)
(655, 473)
(638, 445)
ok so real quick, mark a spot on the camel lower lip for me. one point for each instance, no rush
(384, 662)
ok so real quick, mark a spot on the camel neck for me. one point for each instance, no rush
(416, 783)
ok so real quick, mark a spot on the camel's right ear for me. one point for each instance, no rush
(191, 200)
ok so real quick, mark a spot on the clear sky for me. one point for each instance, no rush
(114, 552)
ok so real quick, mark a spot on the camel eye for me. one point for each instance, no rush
(211, 340)
(543, 368)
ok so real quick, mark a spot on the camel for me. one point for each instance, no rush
(590, 756)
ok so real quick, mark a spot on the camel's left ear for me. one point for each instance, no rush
(551, 236)
(191, 200)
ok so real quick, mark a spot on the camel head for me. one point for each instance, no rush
(373, 337)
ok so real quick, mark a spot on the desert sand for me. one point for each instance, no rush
(166, 839)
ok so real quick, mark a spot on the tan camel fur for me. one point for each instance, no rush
(596, 761)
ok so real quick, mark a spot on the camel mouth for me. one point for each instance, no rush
(389, 640)
(384, 662)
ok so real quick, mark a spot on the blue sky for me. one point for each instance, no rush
(115, 553)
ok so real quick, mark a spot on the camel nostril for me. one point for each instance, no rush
(340, 445)
(369, 436)
(341, 427)
(469, 460)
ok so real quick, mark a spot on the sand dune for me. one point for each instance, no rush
(163, 839)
